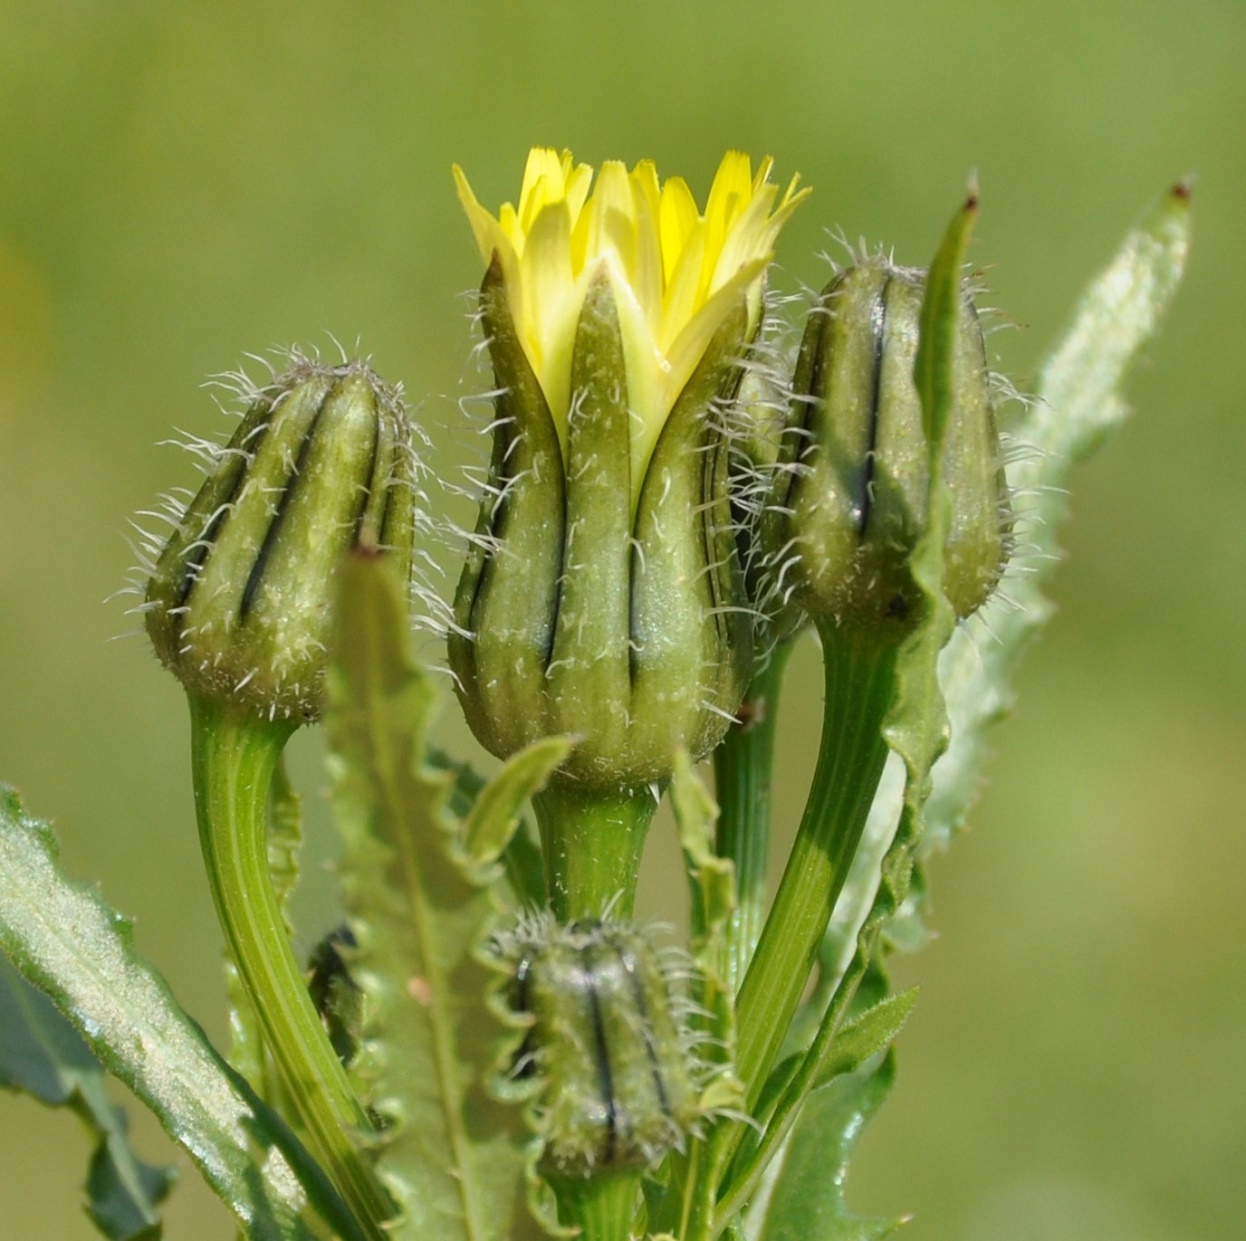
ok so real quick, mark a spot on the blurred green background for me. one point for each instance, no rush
(182, 183)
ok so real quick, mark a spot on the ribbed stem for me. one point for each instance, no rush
(592, 841)
(859, 690)
(233, 759)
(603, 1207)
(743, 768)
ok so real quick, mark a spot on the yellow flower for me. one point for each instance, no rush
(675, 272)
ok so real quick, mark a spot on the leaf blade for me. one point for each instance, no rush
(455, 1158)
(66, 941)
(43, 1055)
(1079, 402)
(804, 1197)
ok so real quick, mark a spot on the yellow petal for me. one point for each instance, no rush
(543, 181)
(690, 345)
(486, 230)
(550, 301)
(683, 290)
(647, 275)
(675, 272)
(679, 216)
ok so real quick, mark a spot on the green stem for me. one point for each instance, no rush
(743, 768)
(592, 841)
(859, 688)
(602, 1207)
(860, 680)
(233, 758)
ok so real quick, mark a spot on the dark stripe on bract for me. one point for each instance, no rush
(524, 1065)
(605, 1078)
(198, 558)
(283, 505)
(878, 326)
(656, 1067)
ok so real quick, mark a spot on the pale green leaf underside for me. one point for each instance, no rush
(43, 1055)
(1078, 403)
(67, 941)
(453, 1156)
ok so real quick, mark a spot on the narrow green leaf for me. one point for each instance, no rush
(916, 727)
(1079, 401)
(453, 1157)
(941, 307)
(525, 867)
(711, 885)
(803, 1196)
(64, 939)
(836, 1049)
(494, 816)
(42, 1054)
(866, 1035)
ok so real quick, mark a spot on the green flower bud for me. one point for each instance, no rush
(612, 1071)
(856, 496)
(592, 605)
(239, 603)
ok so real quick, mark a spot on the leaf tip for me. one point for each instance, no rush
(1183, 190)
(973, 193)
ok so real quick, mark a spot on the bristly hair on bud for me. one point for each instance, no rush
(607, 1055)
(239, 597)
(851, 478)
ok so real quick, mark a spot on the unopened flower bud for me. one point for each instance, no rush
(239, 606)
(616, 1078)
(856, 502)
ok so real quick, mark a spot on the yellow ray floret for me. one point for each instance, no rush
(676, 271)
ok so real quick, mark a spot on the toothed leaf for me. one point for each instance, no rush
(711, 884)
(453, 1157)
(1078, 403)
(803, 1198)
(64, 939)
(42, 1054)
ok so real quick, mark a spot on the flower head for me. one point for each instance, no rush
(603, 597)
(675, 272)
(239, 603)
(846, 517)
